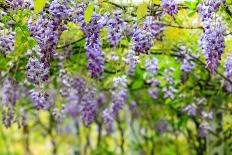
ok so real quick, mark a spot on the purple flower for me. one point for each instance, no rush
(151, 65)
(16, 4)
(10, 93)
(131, 60)
(169, 92)
(39, 99)
(88, 107)
(141, 41)
(191, 110)
(169, 6)
(115, 28)
(36, 71)
(168, 75)
(203, 129)
(150, 25)
(108, 119)
(212, 41)
(187, 65)
(6, 41)
(93, 45)
(228, 66)
(161, 126)
(207, 115)
(209, 7)
(118, 101)
(120, 81)
(153, 92)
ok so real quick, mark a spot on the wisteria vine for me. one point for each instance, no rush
(85, 99)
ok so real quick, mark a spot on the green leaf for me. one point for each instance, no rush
(142, 10)
(191, 13)
(137, 84)
(39, 4)
(89, 12)
(191, 5)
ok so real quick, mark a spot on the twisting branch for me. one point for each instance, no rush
(72, 43)
(178, 26)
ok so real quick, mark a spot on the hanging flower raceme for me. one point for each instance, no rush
(39, 99)
(187, 65)
(81, 100)
(15, 4)
(228, 66)
(118, 101)
(47, 30)
(47, 38)
(36, 71)
(141, 41)
(153, 27)
(119, 98)
(131, 60)
(153, 91)
(60, 13)
(76, 90)
(169, 6)
(10, 95)
(203, 129)
(169, 90)
(7, 41)
(151, 65)
(93, 44)
(209, 7)
(88, 107)
(115, 28)
(108, 119)
(213, 43)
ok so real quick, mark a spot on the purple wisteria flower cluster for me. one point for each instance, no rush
(81, 100)
(65, 81)
(47, 30)
(10, 96)
(141, 41)
(169, 6)
(131, 60)
(212, 41)
(150, 25)
(37, 74)
(228, 72)
(115, 28)
(151, 65)
(153, 91)
(6, 41)
(188, 64)
(36, 71)
(93, 40)
(39, 99)
(209, 7)
(119, 98)
(228, 66)
(93, 46)
(15, 4)
(196, 109)
(169, 90)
